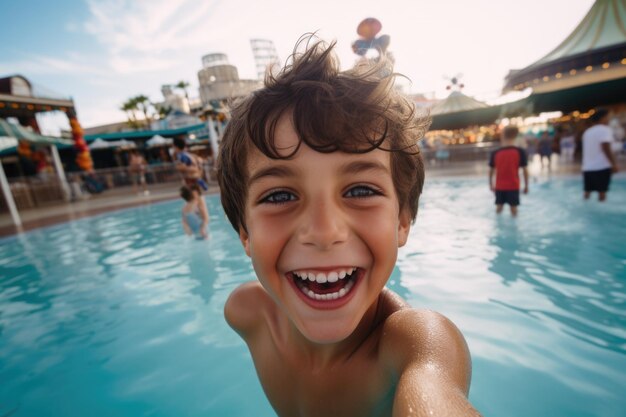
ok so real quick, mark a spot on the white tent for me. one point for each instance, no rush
(106, 144)
(10, 133)
(158, 140)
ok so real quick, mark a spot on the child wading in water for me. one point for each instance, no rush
(195, 215)
(505, 162)
(320, 176)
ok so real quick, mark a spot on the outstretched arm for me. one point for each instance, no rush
(431, 357)
(525, 172)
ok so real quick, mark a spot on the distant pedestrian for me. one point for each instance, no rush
(506, 162)
(189, 165)
(598, 160)
(531, 145)
(568, 145)
(545, 148)
(137, 171)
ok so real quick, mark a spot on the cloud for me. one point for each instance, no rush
(43, 64)
(142, 35)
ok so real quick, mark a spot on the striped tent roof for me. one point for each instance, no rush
(11, 134)
(599, 39)
(602, 27)
(456, 102)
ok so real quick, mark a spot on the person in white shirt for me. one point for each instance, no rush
(598, 161)
(568, 145)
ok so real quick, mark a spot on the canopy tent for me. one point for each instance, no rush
(10, 136)
(105, 144)
(158, 140)
(595, 52)
(459, 110)
(198, 129)
(20, 133)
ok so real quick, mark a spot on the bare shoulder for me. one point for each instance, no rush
(245, 307)
(423, 338)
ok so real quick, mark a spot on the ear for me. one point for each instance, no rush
(245, 240)
(404, 227)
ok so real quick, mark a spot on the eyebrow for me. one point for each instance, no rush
(357, 167)
(354, 167)
(273, 171)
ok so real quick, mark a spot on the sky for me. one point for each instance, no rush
(101, 52)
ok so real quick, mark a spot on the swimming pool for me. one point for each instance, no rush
(121, 315)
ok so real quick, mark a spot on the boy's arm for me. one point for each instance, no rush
(492, 170)
(432, 360)
(185, 225)
(525, 172)
(606, 148)
(204, 214)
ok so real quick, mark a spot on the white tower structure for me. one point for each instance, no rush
(265, 56)
(219, 80)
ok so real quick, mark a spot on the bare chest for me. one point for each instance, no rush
(358, 387)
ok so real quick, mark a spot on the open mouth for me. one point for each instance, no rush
(326, 286)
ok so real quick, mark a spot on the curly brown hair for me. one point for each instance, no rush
(353, 111)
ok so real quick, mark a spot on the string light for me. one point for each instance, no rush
(558, 75)
(605, 65)
(572, 72)
(588, 68)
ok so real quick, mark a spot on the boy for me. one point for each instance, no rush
(506, 162)
(320, 175)
(189, 165)
(195, 215)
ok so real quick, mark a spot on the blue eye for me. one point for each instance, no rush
(279, 197)
(361, 191)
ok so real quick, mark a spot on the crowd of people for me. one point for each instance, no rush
(597, 153)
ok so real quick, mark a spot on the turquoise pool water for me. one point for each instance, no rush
(121, 315)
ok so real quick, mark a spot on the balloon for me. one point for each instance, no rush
(369, 28)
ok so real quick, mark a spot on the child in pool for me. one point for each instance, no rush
(195, 215)
(320, 175)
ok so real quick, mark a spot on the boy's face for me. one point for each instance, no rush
(322, 217)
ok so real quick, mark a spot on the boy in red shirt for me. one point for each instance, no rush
(506, 162)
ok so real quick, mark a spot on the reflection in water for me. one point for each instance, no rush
(540, 296)
(122, 314)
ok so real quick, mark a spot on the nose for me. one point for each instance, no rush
(323, 225)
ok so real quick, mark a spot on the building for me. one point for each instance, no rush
(173, 101)
(586, 70)
(219, 81)
(265, 56)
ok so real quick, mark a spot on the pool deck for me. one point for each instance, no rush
(124, 197)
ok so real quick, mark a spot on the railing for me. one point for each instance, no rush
(461, 153)
(40, 191)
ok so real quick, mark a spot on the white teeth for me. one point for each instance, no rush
(321, 277)
(330, 296)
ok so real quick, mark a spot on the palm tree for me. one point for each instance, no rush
(162, 110)
(183, 86)
(143, 103)
(129, 107)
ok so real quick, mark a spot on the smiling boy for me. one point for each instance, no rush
(320, 175)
